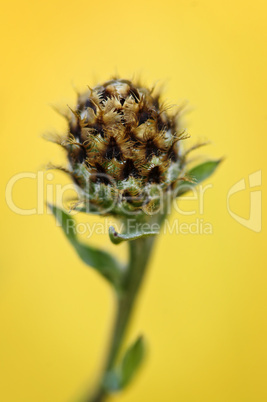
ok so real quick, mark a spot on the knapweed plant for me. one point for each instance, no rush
(125, 157)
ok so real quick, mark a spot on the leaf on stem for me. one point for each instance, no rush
(198, 174)
(121, 376)
(98, 259)
(118, 238)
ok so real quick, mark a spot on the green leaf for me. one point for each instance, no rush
(198, 174)
(118, 238)
(121, 376)
(132, 361)
(98, 259)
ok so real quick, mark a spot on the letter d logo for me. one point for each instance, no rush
(254, 220)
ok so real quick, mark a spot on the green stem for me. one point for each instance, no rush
(140, 250)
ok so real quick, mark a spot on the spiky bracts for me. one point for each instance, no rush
(123, 148)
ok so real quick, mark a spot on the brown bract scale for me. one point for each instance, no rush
(122, 142)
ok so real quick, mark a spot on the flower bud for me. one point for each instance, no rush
(123, 149)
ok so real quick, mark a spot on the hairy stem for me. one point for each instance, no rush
(140, 250)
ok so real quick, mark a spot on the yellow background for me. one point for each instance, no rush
(203, 306)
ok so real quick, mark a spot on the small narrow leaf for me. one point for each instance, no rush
(132, 361)
(98, 259)
(117, 379)
(198, 174)
(118, 238)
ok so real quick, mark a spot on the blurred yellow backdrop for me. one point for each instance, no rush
(203, 306)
